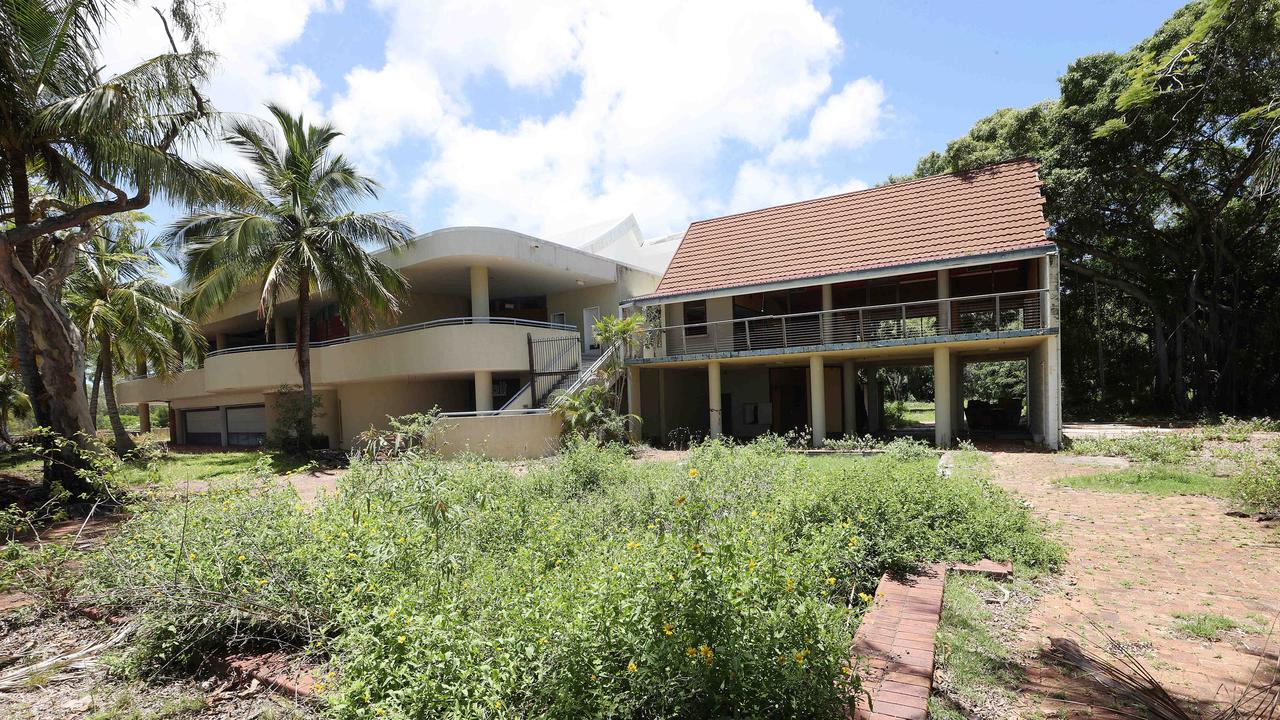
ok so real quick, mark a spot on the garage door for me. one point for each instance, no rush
(246, 425)
(203, 427)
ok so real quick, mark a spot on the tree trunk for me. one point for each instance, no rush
(306, 423)
(124, 443)
(60, 393)
(93, 395)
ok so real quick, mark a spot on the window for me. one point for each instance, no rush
(557, 318)
(695, 314)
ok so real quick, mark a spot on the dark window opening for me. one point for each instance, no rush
(695, 315)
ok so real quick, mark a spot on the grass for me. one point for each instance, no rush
(589, 586)
(1153, 480)
(1207, 626)
(19, 463)
(173, 468)
(908, 413)
(1155, 447)
(976, 668)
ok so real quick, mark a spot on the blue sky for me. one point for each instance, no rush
(551, 115)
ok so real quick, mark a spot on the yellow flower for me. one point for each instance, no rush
(751, 565)
(631, 666)
(263, 581)
(693, 472)
(865, 598)
(392, 614)
(351, 556)
(652, 526)
(831, 581)
(615, 568)
(705, 651)
(191, 556)
(242, 558)
(668, 629)
(846, 669)
(754, 513)
(691, 651)
(799, 658)
(791, 585)
(401, 639)
(633, 545)
(680, 500)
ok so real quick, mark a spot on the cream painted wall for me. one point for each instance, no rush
(365, 405)
(502, 437)
(573, 302)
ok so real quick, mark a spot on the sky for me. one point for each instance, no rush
(550, 115)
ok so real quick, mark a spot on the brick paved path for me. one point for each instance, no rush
(1135, 560)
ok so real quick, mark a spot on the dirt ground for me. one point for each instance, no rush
(1135, 561)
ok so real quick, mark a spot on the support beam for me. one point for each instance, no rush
(1053, 393)
(713, 398)
(943, 397)
(479, 291)
(484, 390)
(633, 402)
(849, 386)
(944, 303)
(827, 306)
(817, 401)
(220, 341)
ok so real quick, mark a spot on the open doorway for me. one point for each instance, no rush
(995, 400)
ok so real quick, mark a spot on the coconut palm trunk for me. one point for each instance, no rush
(94, 393)
(124, 443)
(306, 423)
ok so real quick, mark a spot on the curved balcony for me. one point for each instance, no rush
(450, 346)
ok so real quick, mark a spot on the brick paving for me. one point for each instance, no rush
(1134, 561)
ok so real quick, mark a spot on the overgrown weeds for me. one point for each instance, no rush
(588, 587)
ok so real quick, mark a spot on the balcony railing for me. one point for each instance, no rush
(404, 329)
(995, 313)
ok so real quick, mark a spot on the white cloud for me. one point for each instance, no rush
(846, 120)
(759, 185)
(666, 89)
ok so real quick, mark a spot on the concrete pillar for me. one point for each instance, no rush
(177, 430)
(1053, 393)
(713, 398)
(220, 341)
(484, 390)
(817, 401)
(944, 304)
(849, 385)
(943, 397)
(827, 306)
(281, 330)
(479, 291)
(222, 410)
(874, 400)
(633, 402)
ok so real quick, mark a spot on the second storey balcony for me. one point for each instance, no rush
(992, 315)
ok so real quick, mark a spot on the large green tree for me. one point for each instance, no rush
(291, 228)
(1159, 194)
(116, 297)
(76, 147)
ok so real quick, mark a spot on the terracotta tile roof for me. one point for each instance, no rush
(993, 209)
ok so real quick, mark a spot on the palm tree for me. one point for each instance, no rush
(76, 147)
(116, 297)
(291, 228)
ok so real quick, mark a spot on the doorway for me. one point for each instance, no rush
(589, 340)
(789, 394)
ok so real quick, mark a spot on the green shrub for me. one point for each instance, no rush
(1168, 447)
(589, 586)
(1258, 484)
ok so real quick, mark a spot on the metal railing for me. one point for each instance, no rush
(552, 361)
(994, 313)
(444, 322)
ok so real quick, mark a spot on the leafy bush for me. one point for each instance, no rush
(1168, 447)
(1258, 485)
(589, 586)
(1237, 429)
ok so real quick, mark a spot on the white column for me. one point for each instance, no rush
(1052, 393)
(633, 402)
(484, 390)
(944, 304)
(713, 397)
(479, 291)
(827, 306)
(943, 397)
(817, 401)
(849, 382)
